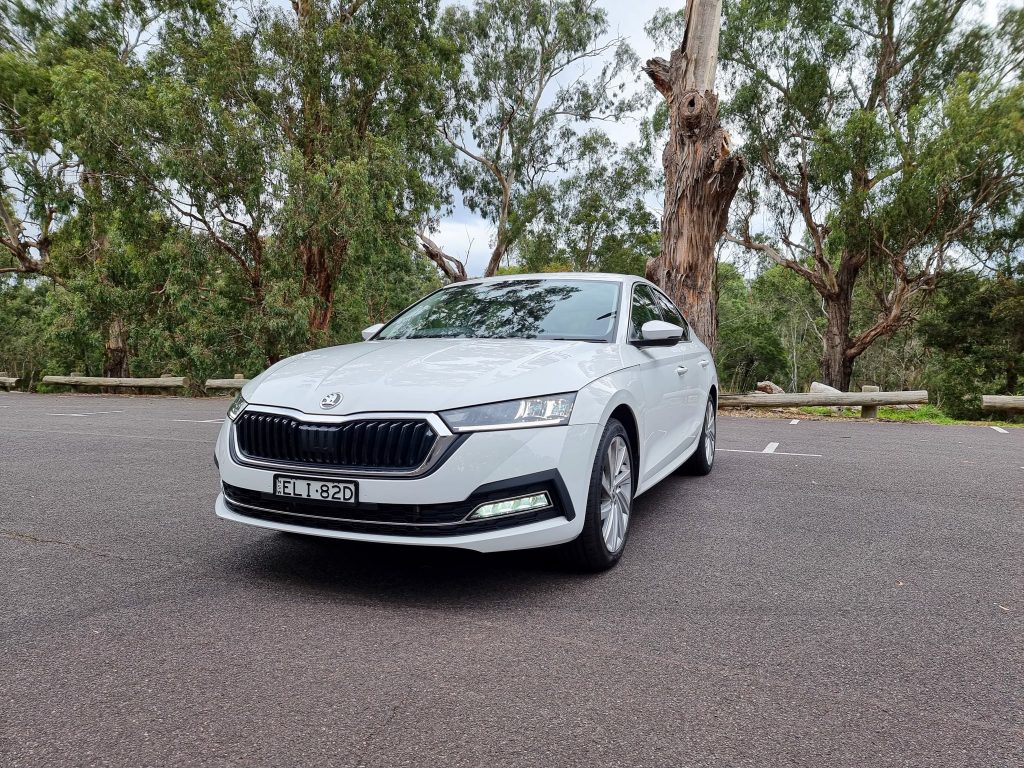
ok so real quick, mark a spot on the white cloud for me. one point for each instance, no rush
(468, 239)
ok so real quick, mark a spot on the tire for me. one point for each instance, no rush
(703, 459)
(605, 528)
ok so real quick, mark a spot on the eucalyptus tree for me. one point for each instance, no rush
(67, 210)
(37, 175)
(301, 133)
(515, 107)
(596, 217)
(885, 139)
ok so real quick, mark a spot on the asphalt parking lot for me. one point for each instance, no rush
(833, 594)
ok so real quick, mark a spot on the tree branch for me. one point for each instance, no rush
(658, 70)
(452, 268)
(13, 232)
(753, 245)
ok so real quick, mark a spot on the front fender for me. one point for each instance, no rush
(596, 401)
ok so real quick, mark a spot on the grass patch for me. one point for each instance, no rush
(927, 414)
(923, 414)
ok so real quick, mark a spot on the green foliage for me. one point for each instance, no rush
(975, 326)
(595, 219)
(749, 346)
(23, 348)
(515, 111)
(883, 137)
(202, 188)
(196, 181)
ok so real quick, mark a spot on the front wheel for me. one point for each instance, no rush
(609, 503)
(703, 458)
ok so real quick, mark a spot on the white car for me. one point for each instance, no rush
(504, 413)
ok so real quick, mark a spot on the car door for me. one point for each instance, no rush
(695, 378)
(664, 388)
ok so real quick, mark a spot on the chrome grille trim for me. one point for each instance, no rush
(444, 442)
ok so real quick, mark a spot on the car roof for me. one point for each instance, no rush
(606, 276)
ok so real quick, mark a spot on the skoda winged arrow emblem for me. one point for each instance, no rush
(331, 400)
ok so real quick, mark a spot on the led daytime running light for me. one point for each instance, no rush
(511, 506)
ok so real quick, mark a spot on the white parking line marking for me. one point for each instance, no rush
(92, 413)
(201, 421)
(795, 421)
(770, 448)
(773, 453)
(1000, 429)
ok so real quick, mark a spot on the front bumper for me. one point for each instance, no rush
(430, 510)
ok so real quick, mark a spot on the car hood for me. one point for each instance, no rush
(431, 374)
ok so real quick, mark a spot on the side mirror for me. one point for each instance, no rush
(657, 333)
(369, 333)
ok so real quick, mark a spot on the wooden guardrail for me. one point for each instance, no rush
(8, 381)
(1002, 403)
(162, 382)
(237, 382)
(797, 400)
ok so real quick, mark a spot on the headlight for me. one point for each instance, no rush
(236, 407)
(548, 411)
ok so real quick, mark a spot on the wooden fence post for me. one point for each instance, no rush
(869, 411)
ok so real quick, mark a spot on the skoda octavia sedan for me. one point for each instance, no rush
(503, 413)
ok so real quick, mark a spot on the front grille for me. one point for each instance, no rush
(393, 519)
(364, 444)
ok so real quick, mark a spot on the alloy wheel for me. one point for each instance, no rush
(709, 434)
(616, 493)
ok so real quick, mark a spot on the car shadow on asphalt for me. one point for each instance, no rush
(395, 572)
(410, 573)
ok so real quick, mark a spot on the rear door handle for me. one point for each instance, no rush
(703, 363)
(681, 370)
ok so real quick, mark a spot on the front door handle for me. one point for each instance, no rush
(681, 370)
(703, 363)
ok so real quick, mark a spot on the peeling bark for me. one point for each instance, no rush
(702, 174)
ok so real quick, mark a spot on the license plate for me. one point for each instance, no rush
(318, 490)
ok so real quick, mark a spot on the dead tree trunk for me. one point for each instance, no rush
(701, 172)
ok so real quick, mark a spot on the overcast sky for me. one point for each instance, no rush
(463, 234)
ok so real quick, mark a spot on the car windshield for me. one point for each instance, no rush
(577, 310)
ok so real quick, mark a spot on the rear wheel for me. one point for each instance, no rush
(703, 459)
(609, 503)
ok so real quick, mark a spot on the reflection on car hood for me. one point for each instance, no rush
(431, 374)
